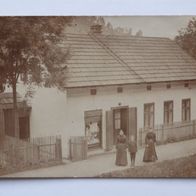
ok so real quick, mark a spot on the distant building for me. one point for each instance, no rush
(7, 122)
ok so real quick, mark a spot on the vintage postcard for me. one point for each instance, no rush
(97, 96)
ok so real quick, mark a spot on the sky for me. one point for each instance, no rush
(153, 26)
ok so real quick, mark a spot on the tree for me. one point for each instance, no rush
(187, 38)
(81, 24)
(29, 47)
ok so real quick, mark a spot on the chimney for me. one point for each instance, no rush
(96, 29)
(139, 33)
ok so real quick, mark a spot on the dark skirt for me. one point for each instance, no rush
(121, 155)
(150, 153)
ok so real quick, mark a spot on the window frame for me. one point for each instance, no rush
(168, 112)
(98, 115)
(119, 118)
(149, 112)
(93, 91)
(185, 108)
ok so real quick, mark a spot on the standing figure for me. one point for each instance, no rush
(132, 146)
(150, 152)
(121, 149)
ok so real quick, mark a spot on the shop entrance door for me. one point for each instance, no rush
(120, 118)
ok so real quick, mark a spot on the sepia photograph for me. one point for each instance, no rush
(97, 96)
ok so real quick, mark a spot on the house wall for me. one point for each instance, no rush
(80, 100)
(48, 114)
(62, 113)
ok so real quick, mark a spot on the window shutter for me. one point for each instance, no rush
(109, 130)
(132, 123)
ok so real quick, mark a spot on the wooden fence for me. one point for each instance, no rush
(170, 133)
(18, 154)
(78, 148)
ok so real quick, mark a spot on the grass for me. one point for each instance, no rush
(181, 167)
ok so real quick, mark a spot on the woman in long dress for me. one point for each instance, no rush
(150, 152)
(121, 149)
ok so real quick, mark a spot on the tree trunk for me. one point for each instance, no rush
(15, 110)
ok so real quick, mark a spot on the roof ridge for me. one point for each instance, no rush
(112, 53)
(115, 35)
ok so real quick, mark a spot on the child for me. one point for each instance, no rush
(132, 146)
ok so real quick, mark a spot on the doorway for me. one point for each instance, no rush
(24, 131)
(124, 118)
(120, 120)
(9, 122)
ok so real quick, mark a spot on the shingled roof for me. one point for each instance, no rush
(112, 60)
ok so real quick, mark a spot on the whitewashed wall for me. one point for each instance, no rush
(48, 114)
(80, 100)
(62, 113)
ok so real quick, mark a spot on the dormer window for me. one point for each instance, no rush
(93, 91)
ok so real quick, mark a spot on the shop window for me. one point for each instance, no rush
(186, 110)
(168, 112)
(93, 127)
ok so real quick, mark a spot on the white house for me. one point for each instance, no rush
(119, 82)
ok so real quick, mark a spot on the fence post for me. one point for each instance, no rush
(140, 137)
(193, 128)
(70, 149)
(11, 155)
(162, 137)
(38, 153)
(58, 149)
(85, 148)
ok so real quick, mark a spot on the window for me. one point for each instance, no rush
(117, 119)
(148, 87)
(186, 84)
(93, 127)
(168, 112)
(93, 91)
(119, 89)
(149, 115)
(168, 86)
(186, 109)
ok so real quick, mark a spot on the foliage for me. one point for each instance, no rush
(29, 48)
(187, 38)
(83, 24)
